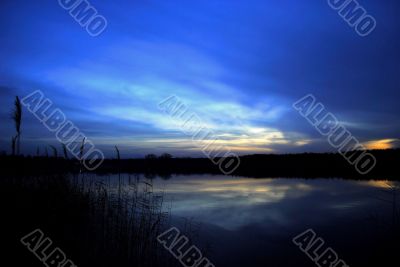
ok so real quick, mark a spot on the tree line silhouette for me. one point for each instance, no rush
(310, 165)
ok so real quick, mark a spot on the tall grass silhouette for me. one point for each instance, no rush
(17, 118)
(64, 149)
(55, 152)
(13, 144)
(112, 227)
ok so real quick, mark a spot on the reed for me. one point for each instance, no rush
(118, 154)
(127, 220)
(81, 150)
(17, 118)
(13, 141)
(64, 148)
(114, 229)
(55, 152)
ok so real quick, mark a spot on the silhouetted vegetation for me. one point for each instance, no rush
(94, 225)
(88, 220)
(17, 118)
(306, 165)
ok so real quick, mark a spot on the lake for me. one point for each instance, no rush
(239, 221)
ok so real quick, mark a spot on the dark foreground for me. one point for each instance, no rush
(92, 226)
(96, 225)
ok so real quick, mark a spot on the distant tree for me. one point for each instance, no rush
(165, 176)
(149, 175)
(165, 156)
(150, 157)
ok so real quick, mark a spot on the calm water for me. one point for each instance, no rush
(251, 222)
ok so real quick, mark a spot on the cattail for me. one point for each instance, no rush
(13, 140)
(118, 154)
(81, 149)
(17, 117)
(119, 175)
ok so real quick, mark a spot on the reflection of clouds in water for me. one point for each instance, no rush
(253, 220)
(230, 202)
(235, 202)
(242, 191)
(348, 205)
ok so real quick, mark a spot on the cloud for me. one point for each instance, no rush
(239, 66)
(382, 144)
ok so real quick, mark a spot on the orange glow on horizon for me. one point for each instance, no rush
(380, 144)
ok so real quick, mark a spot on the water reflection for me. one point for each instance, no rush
(232, 203)
(253, 220)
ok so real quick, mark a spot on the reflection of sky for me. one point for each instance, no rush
(210, 198)
(233, 203)
(238, 64)
(250, 222)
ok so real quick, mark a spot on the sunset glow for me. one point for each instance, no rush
(381, 144)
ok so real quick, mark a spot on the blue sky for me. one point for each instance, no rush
(239, 65)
